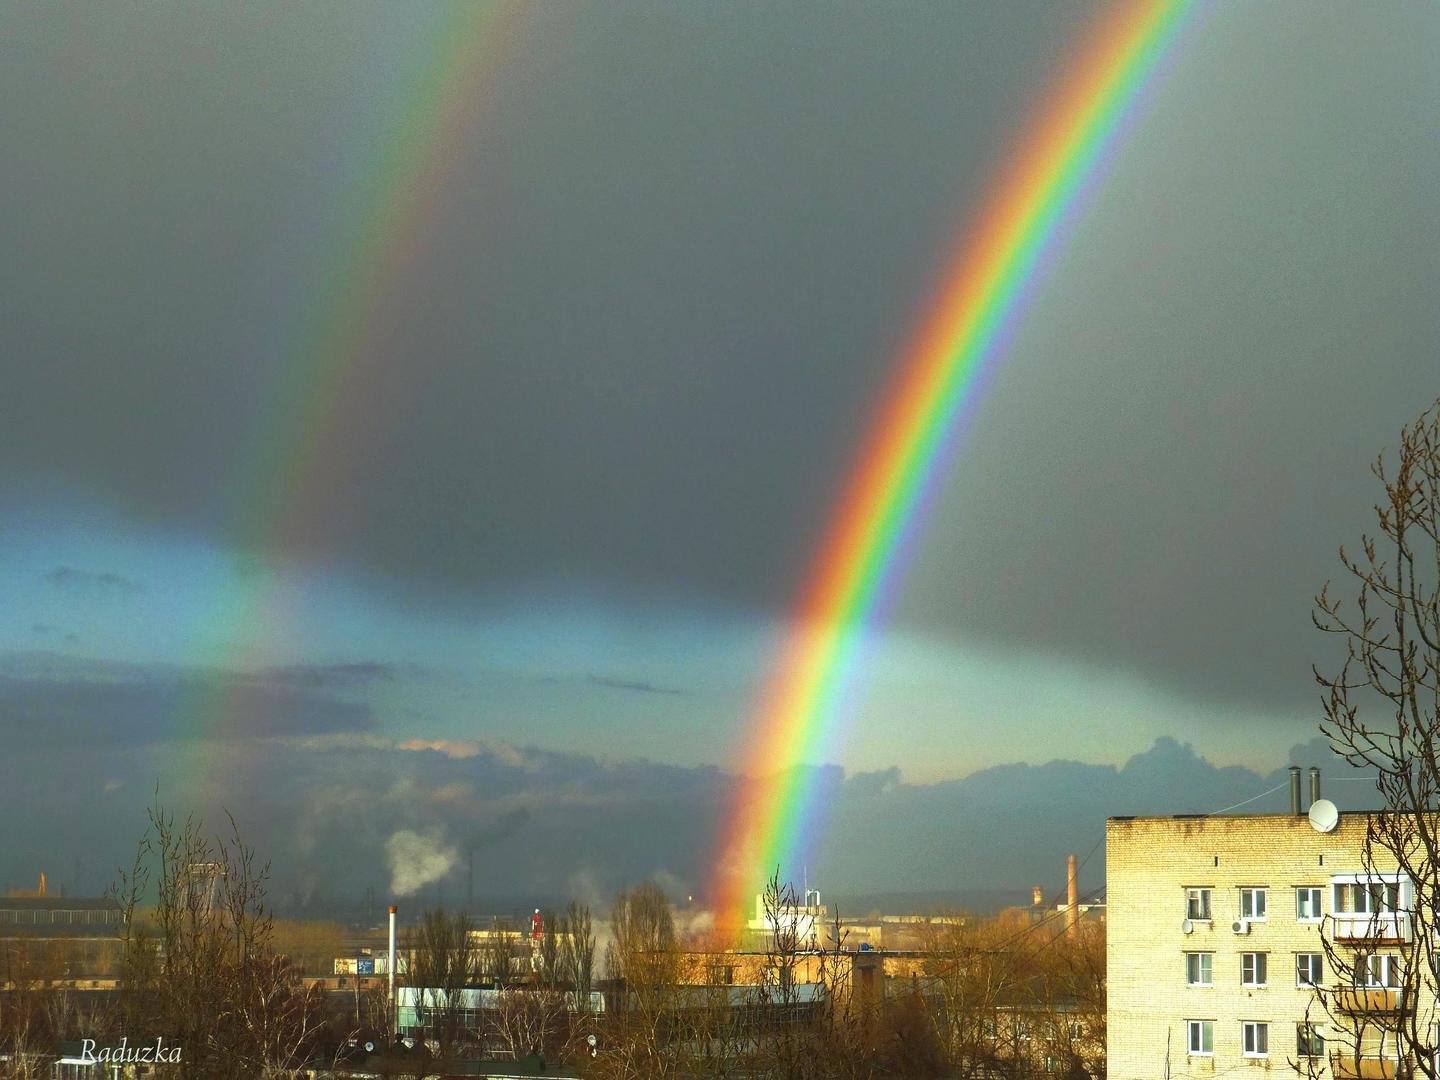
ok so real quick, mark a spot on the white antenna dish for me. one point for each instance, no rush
(1187, 927)
(1323, 815)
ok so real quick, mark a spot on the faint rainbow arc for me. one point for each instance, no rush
(297, 451)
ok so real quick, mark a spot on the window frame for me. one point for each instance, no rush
(1251, 894)
(1259, 964)
(1318, 892)
(1200, 958)
(1388, 970)
(1260, 1030)
(1195, 1032)
(1315, 1047)
(1200, 895)
(1380, 896)
(1318, 961)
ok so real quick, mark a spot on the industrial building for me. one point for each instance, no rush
(1256, 941)
(71, 917)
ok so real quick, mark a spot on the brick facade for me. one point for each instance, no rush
(1150, 865)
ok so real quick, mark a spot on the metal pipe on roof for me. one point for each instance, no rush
(1295, 790)
(1314, 785)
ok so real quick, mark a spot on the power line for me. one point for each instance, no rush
(1055, 914)
(1252, 798)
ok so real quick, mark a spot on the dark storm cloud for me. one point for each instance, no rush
(552, 825)
(637, 346)
(68, 577)
(133, 706)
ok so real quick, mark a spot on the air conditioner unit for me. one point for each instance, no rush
(1241, 926)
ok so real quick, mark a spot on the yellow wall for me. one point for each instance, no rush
(1149, 864)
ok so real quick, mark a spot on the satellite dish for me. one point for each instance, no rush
(1187, 927)
(1323, 815)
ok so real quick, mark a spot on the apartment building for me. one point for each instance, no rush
(1217, 957)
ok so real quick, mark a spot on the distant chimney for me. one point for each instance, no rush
(1037, 896)
(1314, 785)
(391, 985)
(1295, 790)
(40, 890)
(1072, 896)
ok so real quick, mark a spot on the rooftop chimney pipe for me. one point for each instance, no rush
(1314, 785)
(1295, 789)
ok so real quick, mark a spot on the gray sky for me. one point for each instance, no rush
(669, 262)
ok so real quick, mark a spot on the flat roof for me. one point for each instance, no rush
(1221, 816)
(58, 903)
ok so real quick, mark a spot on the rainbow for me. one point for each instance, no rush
(302, 460)
(980, 300)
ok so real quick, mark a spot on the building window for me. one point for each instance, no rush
(1308, 1041)
(1252, 904)
(1255, 1039)
(1368, 897)
(1201, 1036)
(1198, 968)
(1307, 904)
(1309, 969)
(1377, 970)
(1197, 904)
(1252, 969)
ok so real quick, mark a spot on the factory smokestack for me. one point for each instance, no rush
(1072, 897)
(391, 969)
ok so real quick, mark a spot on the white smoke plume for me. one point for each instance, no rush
(416, 860)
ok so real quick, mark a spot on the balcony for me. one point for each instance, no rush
(1349, 1067)
(1367, 999)
(1379, 928)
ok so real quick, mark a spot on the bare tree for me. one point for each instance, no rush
(532, 1020)
(644, 962)
(1382, 708)
(199, 968)
(577, 949)
(442, 966)
(779, 994)
(495, 954)
(970, 970)
(23, 1033)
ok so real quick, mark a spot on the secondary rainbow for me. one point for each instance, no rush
(980, 300)
(326, 405)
